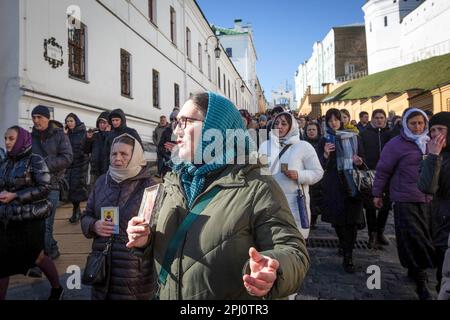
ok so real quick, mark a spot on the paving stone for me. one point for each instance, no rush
(329, 280)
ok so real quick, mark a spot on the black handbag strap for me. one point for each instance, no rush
(108, 246)
(300, 190)
(365, 166)
(140, 184)
(277, 159)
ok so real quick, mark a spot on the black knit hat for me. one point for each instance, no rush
(41, 110)
(443, 119)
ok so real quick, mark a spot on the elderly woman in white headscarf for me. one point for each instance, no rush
(398, 169)
(294, 165)
(119, 191)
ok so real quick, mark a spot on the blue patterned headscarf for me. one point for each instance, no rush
(221, 116)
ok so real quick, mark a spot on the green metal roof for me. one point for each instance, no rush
(426, 75)
(228, 32)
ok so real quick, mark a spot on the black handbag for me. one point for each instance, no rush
(96, 268)
(41, 209)
(363, 180)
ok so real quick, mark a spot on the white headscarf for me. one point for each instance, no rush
(137, 162)
(293, 134)
(422, 139)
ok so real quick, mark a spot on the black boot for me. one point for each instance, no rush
(381, 239)
(422, 289)
(340, 234)
(372, 243)
(75, 216)
(347, 263)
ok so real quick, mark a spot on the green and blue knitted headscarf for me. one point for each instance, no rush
(222, 118)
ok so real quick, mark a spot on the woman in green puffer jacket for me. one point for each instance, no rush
(245, 243)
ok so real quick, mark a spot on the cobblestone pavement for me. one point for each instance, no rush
(326, 278)
(40, 290)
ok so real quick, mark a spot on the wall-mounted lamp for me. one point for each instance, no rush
(242, 84)
(217, 50)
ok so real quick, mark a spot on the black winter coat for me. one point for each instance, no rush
(435, 179)
(115, 132)
(167, 136)
(373, 141)
(315, 190)
(96, 147)
(54, 146)
(76, 174)
(26, 175)
(130, 277)
(338, 208)
(2, 155)
(395, 131)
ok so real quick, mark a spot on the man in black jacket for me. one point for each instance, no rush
(50, 141)
(167, 143)
(363, 121)
(373, 139)
(118, 123)
(95, 145)
(157, 134)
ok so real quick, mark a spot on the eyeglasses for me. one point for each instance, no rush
(182, 122)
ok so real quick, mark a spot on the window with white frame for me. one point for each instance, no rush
(155, 74)
(77, 51)
(188, 44)
(173, 25)
(209, 67)
(125, 72)
(152, 11)
(200, 62)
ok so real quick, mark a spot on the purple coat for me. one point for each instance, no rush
(398, 168)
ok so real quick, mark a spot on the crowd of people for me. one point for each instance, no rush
(38, 171)
(226, 229)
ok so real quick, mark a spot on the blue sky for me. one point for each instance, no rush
(284, 30)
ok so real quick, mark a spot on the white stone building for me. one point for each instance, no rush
(239, 45)
(87, 56)
(401, 32)
(340, 56)
(283, 97)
